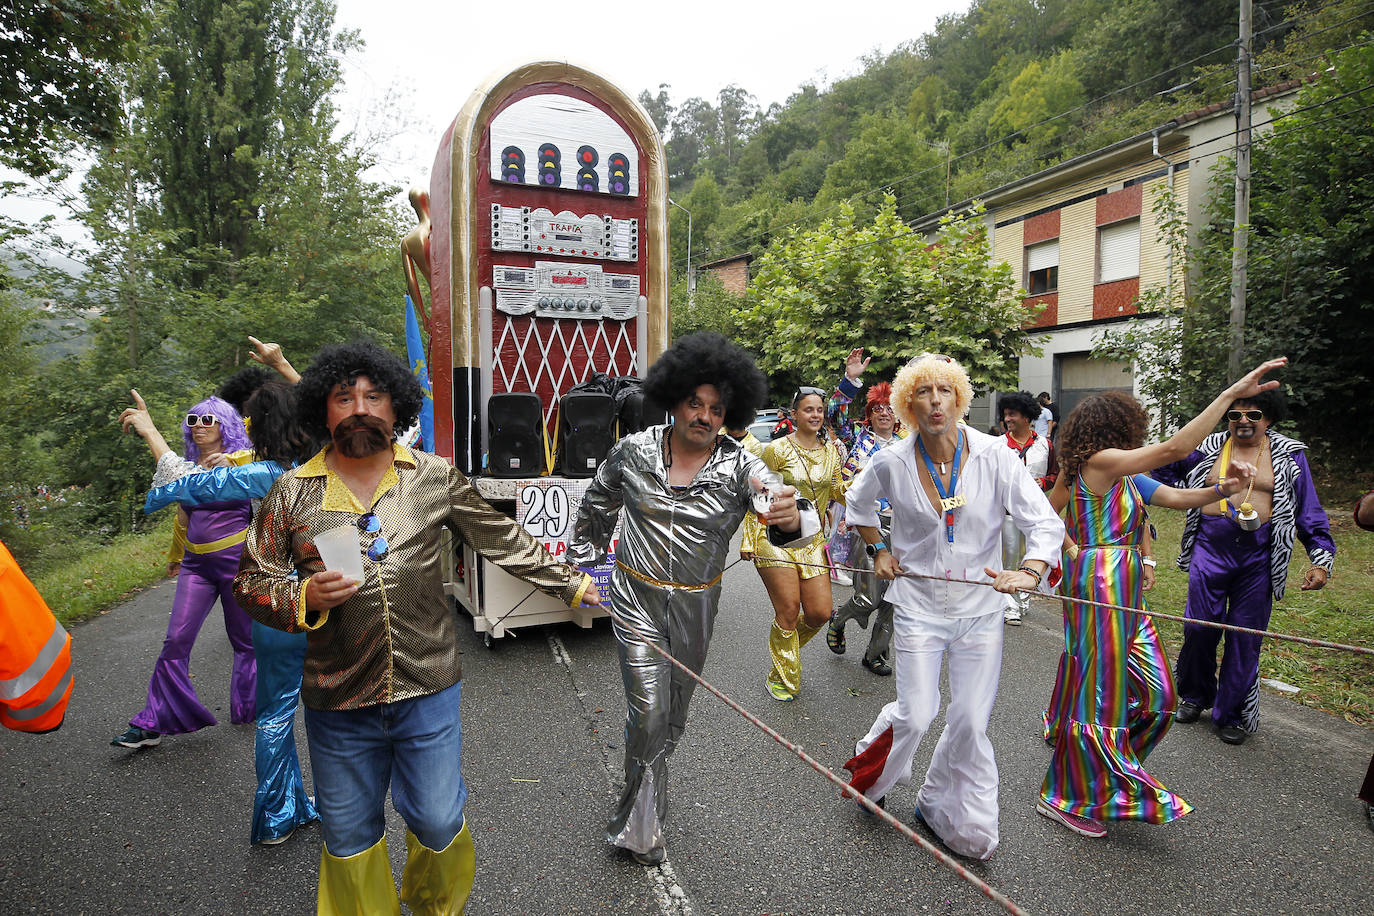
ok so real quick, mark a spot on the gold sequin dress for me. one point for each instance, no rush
(815, 474)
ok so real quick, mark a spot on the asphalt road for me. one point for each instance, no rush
(89, 828)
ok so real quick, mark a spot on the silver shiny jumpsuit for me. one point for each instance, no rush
(674, 545)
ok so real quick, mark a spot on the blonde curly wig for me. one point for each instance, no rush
(929, 367)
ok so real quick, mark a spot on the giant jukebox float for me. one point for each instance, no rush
(543, 241)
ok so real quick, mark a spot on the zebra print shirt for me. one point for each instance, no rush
(1296, 512)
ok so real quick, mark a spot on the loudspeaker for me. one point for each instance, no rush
(585, 432)
(638, 413)
(515, 435)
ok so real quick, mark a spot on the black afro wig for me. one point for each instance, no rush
(240, 386)
(342, 363)
(274, 426)
(1273, 402)
(1021, 402)
(706, 358)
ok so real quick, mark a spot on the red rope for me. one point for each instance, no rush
(1319, 643)
(987, 891)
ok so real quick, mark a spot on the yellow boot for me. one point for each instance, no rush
(804, 633)
(438, 883)
(784, 681)
(357, 885)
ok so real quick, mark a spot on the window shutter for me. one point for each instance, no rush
(1042, 255)
(1118, 251)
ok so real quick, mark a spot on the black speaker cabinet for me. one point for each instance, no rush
(515, 435)
(638, 413)
(585, 432)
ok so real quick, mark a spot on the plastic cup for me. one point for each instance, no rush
(341, 549)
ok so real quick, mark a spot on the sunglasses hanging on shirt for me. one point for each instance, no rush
(370, 524)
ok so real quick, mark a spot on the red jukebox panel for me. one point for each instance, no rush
(550, 191)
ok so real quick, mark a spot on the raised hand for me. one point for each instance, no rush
(855, 363)
(271, 355)
(137, 418)
(1250, 385)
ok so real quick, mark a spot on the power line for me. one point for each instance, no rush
(1192, 146)
(886, 186)
(1284, 65)
(1311, 14)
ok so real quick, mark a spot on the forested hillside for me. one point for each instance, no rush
(999, 92)
(223, 199)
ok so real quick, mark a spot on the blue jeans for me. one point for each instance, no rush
(413, 746)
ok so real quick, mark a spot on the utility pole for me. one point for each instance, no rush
(691, 277)
(1240, 235)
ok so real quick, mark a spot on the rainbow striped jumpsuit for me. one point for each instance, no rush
(1114, 698)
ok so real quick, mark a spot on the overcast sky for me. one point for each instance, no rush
(431, 54)
(425, 57)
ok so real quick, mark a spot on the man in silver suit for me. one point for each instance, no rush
(680, 492)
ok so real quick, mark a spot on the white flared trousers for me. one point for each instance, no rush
(959, 797)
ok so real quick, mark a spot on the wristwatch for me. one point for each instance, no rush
(872, 549)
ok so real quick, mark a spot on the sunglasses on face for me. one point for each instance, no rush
(880, 408)
(201, 419)
(1254, 415)
(370, 524)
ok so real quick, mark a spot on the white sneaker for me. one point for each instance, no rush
(840, 577)
(1012, 616)
(276, 840)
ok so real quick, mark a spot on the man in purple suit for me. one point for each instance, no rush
(1236, 553)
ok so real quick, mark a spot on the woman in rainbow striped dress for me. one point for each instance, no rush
(1114, 697)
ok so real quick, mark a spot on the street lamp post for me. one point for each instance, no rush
(691, 277)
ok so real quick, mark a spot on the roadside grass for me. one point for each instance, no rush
(1337, 682)
(99, 577)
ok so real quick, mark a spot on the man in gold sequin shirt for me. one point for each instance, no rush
(382, 672)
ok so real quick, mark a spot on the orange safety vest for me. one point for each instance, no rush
(35, 655)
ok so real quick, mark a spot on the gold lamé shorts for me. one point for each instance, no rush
(808, 561)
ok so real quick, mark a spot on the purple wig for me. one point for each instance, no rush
(232, 435)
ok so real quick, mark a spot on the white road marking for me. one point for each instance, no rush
(670, 896)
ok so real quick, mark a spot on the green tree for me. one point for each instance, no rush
(887, 153)
(1311, 260)
(1039, 91)
(703, 201)
(737, 119)
(236, 85)
(56, 63)
(693, 138)
(750, 225)
(817, 294)
(709, 308)
(258, 221)
(659, 107)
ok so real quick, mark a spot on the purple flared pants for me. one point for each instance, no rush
(1228, 582)
(173, 707)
